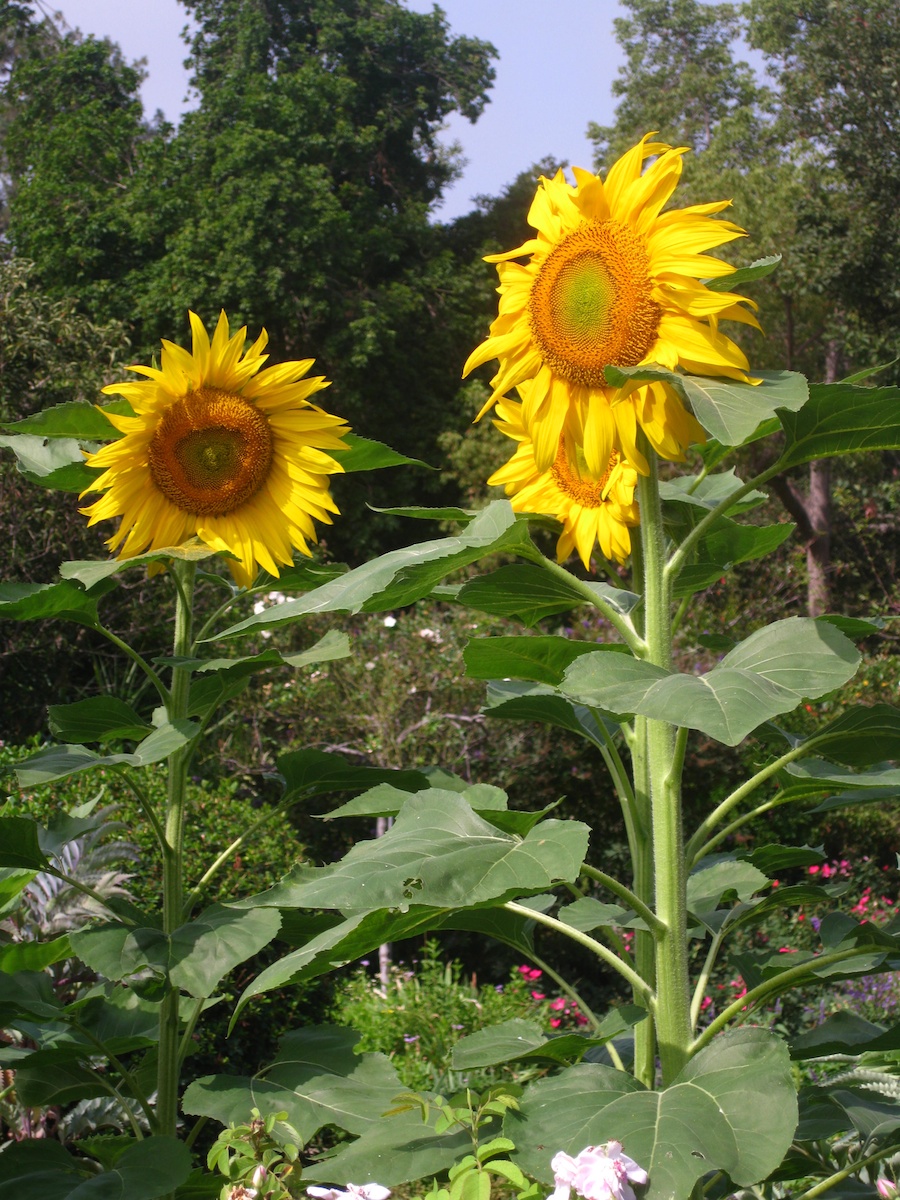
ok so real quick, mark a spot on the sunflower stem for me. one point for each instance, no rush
(168, 1072)
(664, 758)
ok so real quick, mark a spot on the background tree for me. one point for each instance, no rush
(296, 196)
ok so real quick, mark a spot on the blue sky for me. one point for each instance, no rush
(557, 61)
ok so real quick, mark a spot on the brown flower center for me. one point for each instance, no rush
(576, 481)
(591, 305)
(211, 452)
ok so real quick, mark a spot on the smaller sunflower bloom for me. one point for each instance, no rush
(612, 280)
(594, 509)
(221, 450)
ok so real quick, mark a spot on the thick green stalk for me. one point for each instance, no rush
(664, 756)
(168, 1071)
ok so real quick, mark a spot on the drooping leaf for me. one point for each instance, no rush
(437, 853)
(33, 956)
(316, 1078)
(707, 491)
(727, 410)
(522, 590)
(726, 545)
(93, 571)
(97, 719)
(406, 575)
(719, 875)
(844, 1033)
(19, 844)
(55, 463)
(195, 958)
(310, 772)
(42, 601)
(383, 800)
(28, 994)
(841, 418)
(59, 762)
(516, 1040)
(515, 700)
(541, 659)
(769, 673)
(863, 736)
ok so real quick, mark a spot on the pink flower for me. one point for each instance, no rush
(597, 1173)
(557, 1004)
(538, 996)
(886, 1189)
(354, 1191)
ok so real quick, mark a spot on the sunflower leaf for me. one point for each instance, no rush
(540, 659)
(769, 673)
(56, 463)
(841, 418)
(363, 454)
(403, 576)
(91, 571)
(59, 762)
(42, 601)
(74, 419)
(757, 270)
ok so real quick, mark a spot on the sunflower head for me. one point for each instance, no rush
(595, 509)
(612, 280)
(220, 449)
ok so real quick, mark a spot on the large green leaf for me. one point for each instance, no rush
(769, 673)
(406, 575)
(517, 1040)
(56, 463)
(706, 492)
(97, 719)
(844, 1033)
(74, 419)
(515, 700)
(345, 941)
(44, 1170)
(93, 571)
(727, 410)
(438, 853)
(40, 601)
(541, 659)
(841, 419)
(863, 736)
(28, 995)
(57, 1077)
(195, 958)
(386, 801)
(20, 845)
(59, 762)
(311, 772)
(522, 590)
(316, 1078)
(727, 544)
(33, 956)
(732, 1108)
(395, 1150)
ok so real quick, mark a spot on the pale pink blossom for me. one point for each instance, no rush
(597, 1173)
(353, 1191)
(886, 1189)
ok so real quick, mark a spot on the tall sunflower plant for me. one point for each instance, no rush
(611, 361)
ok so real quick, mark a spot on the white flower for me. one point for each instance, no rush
(355, 1191)
(430, 635)
(597, 1173)
(259, 606)
(390, 622)
(239, 1192)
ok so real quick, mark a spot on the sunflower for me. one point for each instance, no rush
(594, 508)
(221, 450)
(612, 280)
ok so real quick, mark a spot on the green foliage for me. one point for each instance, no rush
(256, 1156)
(421, 1013)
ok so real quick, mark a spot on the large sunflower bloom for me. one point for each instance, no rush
(594, 509)
(222, 450)
(612, 280)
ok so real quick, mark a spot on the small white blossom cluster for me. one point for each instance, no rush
(354, 1191)
(597, 1173)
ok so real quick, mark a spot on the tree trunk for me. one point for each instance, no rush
(818, 549)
